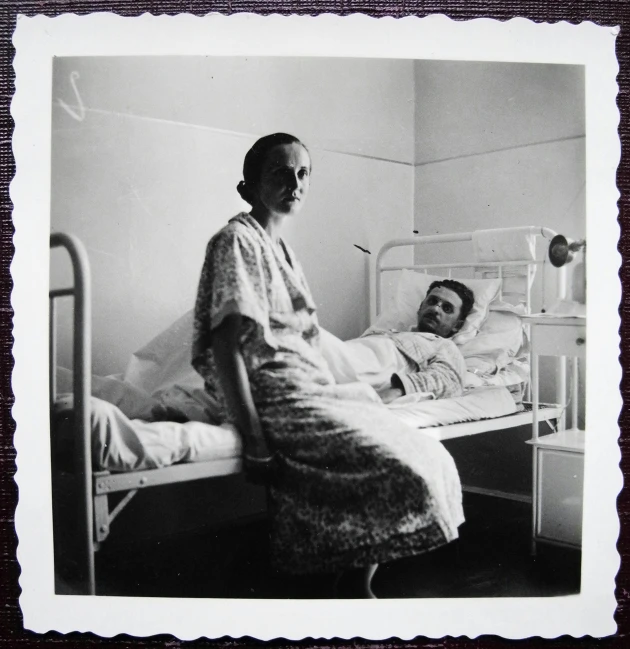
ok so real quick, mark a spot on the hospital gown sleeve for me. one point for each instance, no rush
(443, 374)
(233, 281)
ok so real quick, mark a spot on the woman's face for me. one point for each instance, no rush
(284, 180)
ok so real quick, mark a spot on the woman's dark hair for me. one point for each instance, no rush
(465, 294)
(255, 159)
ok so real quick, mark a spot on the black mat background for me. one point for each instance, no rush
(12, 633)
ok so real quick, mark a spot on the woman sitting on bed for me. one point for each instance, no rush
(349, 485)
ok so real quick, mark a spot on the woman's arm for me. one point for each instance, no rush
(235, 385)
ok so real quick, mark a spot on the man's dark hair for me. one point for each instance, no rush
(465, 294)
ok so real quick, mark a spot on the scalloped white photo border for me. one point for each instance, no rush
(37, 40)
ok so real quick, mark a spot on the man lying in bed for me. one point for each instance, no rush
(428, 361)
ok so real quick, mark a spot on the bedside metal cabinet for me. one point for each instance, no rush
(558, 458)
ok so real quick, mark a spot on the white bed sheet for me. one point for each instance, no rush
(121, 444)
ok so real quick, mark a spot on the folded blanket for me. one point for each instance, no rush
(480, 403)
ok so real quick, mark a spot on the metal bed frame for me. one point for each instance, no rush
(94, 515)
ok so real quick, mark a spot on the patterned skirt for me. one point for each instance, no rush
(354, 485)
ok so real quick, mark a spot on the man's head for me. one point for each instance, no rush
(445, 308)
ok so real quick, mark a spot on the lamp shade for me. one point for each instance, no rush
(559, 251)
(562, 250)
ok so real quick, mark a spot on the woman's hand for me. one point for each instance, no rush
(259, 463)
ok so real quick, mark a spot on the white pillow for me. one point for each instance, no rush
(500, 335)
(412, 288)
(165, 360)
(162, 368)
(496, 346)
(134, 402)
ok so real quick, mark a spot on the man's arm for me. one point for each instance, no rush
(443, 376)
(440, 378)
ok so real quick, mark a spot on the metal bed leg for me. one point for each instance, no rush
(101, 517)
(86, 551)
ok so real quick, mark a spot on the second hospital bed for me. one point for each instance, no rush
(108, 453)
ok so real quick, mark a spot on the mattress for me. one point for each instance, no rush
(123, 444)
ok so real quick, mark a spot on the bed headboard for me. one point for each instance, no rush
(483, 269)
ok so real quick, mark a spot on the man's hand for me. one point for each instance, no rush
(389, 394)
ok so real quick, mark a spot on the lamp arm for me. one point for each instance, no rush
(574, 246)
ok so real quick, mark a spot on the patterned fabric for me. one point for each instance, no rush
(434, 364)
(354, 486)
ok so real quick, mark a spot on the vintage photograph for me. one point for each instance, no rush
(474, 171)
(317, 328)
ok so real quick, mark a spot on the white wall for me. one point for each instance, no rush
(361, 106)
(145, 234)
(468, 108)
(499, 145)
(150, 175)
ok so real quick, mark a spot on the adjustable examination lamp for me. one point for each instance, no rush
(561, 252)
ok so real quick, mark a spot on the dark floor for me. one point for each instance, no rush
(491, 559)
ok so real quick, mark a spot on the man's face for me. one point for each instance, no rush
(439, 312)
